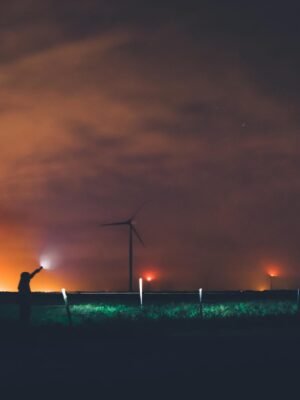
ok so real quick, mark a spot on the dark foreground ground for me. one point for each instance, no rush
(256, 359)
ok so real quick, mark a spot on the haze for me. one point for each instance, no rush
(191, 108)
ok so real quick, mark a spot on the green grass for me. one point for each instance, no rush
(98, 313)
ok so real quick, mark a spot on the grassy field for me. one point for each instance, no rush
(160, 351)
(99, 313)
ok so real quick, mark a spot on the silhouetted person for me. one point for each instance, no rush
(25, 295)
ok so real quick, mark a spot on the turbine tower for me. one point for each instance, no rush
(131, 231)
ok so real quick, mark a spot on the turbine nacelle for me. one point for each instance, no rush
(131, 225)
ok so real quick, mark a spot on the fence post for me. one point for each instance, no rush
(201, 302)
(64, 293)
(141, 291)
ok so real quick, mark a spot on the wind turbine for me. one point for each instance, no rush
(132, 231)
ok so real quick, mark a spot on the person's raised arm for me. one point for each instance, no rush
(35, 272)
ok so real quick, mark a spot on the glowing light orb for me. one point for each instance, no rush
(49, 259)
(149, 278)
(45, 262)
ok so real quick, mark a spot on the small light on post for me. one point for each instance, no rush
(65, 297)
(141, 291)
(201, 302)
(63, 291)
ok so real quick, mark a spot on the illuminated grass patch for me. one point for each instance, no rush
(98, 313)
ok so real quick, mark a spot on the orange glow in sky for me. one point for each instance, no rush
(273, 271)
(150, 276)
(261, 288)
(20, 254)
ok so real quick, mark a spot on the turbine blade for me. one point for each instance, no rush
(138, 210)
(115, 223)
(137, 235)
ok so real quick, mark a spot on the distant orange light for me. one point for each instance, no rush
(149, 278)
(273, 270)
(273, 274)
(261, 289)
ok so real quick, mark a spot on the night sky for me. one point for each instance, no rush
(189, 106)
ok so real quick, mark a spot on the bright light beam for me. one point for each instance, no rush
(45, 262)
(49, 259)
